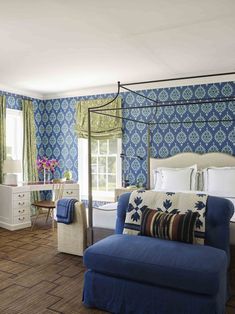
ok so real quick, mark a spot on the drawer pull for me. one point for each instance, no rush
(20, 219)
(20, 195)
(69, 192)
(21, 203)
(21, 211)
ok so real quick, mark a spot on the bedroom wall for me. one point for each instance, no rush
(170, 139)
(59, 140)
(55, 121)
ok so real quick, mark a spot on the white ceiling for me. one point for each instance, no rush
(51, 47)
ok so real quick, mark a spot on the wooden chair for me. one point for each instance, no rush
(49, 205)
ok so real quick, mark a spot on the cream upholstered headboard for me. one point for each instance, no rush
(189, 159)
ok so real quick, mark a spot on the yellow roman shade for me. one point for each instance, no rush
(102, 126)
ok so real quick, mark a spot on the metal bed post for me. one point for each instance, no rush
(148, 156)
(90, 198)
(90, 201)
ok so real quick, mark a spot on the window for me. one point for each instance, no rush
(104, 164)
(105, 167)
(14, 135)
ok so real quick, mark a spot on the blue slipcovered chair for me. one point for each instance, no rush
(143, 275)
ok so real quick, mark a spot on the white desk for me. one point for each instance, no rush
(15, 202)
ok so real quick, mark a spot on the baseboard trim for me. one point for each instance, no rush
(16, 226)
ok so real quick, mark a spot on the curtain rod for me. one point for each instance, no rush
(179, 78)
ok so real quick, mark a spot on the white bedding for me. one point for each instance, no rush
(105, 216)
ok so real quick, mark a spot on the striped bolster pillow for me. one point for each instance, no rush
(176, 227)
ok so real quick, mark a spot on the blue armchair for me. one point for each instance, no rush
(138, 274)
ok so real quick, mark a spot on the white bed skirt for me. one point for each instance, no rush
(105, 216)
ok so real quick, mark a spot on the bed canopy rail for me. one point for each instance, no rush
(180, 78)
(103, 110)
(164, 104)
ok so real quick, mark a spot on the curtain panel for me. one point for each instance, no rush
(102, 127)
(2, 134)
(30, 172)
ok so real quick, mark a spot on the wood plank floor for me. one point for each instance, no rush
(36, 279)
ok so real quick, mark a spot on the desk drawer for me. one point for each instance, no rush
(21, 211)
(21, 196)
(71, 194)
(19, 204)
(21, 219)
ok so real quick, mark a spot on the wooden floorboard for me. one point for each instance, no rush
(36, 279)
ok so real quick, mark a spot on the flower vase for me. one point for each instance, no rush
(44, 175)
(47, 166)
(48, 176)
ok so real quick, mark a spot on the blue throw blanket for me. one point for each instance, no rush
(65, 210)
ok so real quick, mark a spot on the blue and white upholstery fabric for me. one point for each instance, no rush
(168, 202)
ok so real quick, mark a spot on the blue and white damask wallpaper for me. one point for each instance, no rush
(60, 141)
(174, 133)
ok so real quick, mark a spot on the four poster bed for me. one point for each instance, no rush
(177, 161)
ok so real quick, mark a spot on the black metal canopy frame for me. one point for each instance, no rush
(102, 110)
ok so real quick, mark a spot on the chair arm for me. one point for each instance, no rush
(123, 201)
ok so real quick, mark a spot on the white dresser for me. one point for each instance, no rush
(15, 203)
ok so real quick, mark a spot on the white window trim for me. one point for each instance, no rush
(83, 173)
(16, 113)
(17, 154)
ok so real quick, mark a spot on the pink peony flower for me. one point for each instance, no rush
(47, 164)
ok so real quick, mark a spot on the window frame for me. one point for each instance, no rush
(17, 151)
(83, 172)
(18, 142)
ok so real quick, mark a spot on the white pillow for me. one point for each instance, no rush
(220, 181)
(109, 206)
(162, 178)
(157, 178)
(178, 180)
(200, 180)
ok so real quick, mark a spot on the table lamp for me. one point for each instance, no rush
(10, 169)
